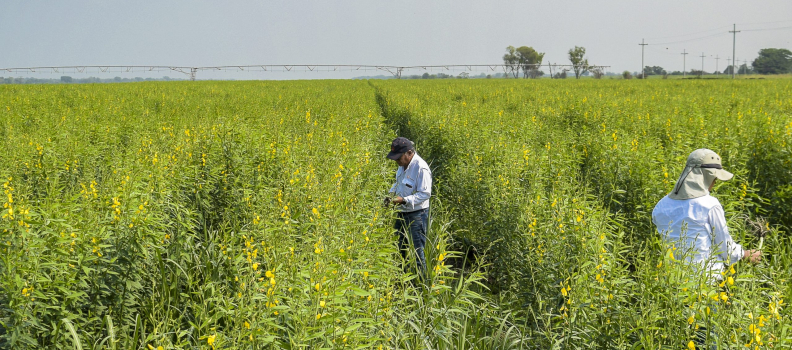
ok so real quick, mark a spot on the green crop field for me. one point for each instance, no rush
(248, 215)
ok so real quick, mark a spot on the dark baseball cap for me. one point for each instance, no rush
(399, 146)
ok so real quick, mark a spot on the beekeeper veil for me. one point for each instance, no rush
(702, 168)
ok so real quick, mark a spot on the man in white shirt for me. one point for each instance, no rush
(694, 222)
(413, 188)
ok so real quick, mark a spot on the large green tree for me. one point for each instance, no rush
(579, 62)
(511, 60)
(529, 60)
(773, 61)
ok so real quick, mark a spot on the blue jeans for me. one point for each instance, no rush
(412, 226)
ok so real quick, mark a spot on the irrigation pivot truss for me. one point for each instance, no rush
(396, 71)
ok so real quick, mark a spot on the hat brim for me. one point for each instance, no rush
(394, 155)
(722, 175)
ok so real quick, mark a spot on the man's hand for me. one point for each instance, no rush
(386, 202)
(398, 200)
(753, 255)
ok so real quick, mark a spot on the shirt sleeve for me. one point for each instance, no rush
(423, 189)
(728, 250)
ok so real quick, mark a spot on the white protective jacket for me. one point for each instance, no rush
(697, 228)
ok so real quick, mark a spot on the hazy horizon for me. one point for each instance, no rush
(203, 33)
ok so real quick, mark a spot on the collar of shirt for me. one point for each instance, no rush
(413, 162)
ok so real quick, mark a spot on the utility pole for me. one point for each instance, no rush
(702, 63)
(643, 70)
(684, 62)
(745, 63)
(734, 50)
(716, 65)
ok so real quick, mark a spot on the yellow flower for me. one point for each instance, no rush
(730, 280)
(255, 266)
(318, 287)
(269, 274)
(318, 316)
(322, 303)
(691, 345)
(272, 281)
(211, 339)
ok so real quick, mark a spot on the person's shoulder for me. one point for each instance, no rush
(708, 202)
(422, 163)
(666, 201)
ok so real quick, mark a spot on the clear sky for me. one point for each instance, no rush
(435, 32)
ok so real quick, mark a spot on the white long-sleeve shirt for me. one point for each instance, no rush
(697, 228)
(414, 184)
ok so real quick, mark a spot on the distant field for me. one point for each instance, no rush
(246, 215)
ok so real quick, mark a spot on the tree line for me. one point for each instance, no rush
(528, 60)
(769, 61)
(525, 61)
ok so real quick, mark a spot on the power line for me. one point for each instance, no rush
(734, 32)
(765, 29)
(689, 34)
(749, 24)
(721, 27)
(734, 48)
(643, 72)
(693, 39)
(684, 63)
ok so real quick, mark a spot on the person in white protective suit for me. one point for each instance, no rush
(693, 221)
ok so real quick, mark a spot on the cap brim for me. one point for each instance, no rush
(722, 175)
(394, 155)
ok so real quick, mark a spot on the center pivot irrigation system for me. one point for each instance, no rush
(396, 71)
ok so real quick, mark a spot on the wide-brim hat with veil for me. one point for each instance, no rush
(702, 168)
